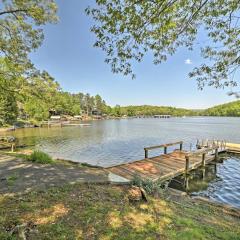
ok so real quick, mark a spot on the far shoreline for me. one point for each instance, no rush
(27, 126)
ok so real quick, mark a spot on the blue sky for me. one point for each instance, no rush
(68, 55)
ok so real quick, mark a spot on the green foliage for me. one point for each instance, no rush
(116, 111)
(127, 30)
(36, 109)
(147, 110)
(52, 99)
(72, 104)
(40, 157)
(150, 186)
(8, 109)
(229, 109)
(20, 34)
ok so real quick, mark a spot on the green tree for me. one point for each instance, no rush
(36, 109)
(227, 109)
(8, 109)
(116, 111)
(127, 29)
(88, 103)
(20, 34)
(98, 103)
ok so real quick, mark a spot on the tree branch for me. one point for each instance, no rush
(13, 11)
(192, 17)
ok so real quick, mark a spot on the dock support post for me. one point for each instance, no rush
(165, 150)
(181, 146)
(215, 169)
(216, 154)
(203, 159)
(146, 153)
(12, 148)
(186, 183)
(187, 164)
(203, 173)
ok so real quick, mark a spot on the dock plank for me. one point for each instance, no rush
(163, 167)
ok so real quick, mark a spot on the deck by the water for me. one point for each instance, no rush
(170, 165)
(162, 167)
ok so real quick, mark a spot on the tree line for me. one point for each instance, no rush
(52, 100)
(46, 100)
(147, 110)
(231, 109)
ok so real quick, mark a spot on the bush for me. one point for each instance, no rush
(150, 186)
(40, 157)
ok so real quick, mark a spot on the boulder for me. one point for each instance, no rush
(136, 194)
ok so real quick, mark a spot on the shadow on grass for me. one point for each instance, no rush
(33, 176)
(87, 211)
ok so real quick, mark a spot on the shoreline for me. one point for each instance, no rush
(38, 125)
(65, 163)
(87, 210)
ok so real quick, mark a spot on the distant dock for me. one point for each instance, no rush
(50, 124)
(162, 116)
(154, 116)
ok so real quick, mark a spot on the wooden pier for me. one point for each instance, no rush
(8, 142)
(50, 124)
(168, 165)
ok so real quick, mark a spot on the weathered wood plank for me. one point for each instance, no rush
(140, 171)
(165, 166)
(164, 145)
(121, 172)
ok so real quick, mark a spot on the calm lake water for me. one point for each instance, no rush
(220, 182)
(111, 142)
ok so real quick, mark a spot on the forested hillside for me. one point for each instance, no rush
(154, 110)
(231, 109)
(227, 109)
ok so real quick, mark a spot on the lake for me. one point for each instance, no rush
(110, 142)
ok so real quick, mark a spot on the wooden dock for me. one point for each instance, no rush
(167, 165)
(8, 142)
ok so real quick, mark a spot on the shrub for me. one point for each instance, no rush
(40, 157)
(150, 186)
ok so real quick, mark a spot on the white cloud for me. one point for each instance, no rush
(188, 61)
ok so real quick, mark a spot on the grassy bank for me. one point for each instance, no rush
(86, 211)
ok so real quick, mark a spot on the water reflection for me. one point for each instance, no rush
(219, 181)
(113, 142)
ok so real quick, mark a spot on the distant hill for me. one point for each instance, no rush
(149, 110)
(228, 109)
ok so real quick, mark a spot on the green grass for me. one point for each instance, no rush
(88, 211)
(11, 180)
(40, 157)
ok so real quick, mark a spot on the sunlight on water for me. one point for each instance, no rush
(112, 142)
(219, 182)
(225, 187)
